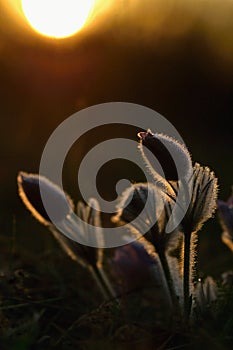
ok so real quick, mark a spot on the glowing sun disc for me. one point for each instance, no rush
(57, 18)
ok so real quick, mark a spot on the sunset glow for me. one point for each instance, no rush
(57, 18)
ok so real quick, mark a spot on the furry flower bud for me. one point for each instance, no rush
(29, 190)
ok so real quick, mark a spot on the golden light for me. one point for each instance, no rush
(57, 18)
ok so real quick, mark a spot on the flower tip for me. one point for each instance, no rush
(144, 134)
(28, 185)
(21, 176)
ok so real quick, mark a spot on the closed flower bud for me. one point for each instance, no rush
(64, 217)
(169, 152)
(30, 186)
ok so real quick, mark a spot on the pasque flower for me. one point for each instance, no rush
(168, 151)
(132, 263)
(198, 185)
(152, 221)
(188, 195)
(192, 195)
(169, 211)
(136, 266)
(225, 214)
(29, 191)
(63, 214)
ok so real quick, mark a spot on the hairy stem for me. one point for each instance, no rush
(186, 277)
(166, 270)
(106, 281)
(193, 257)
(102, 282)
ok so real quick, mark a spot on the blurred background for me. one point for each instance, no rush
(174, 56)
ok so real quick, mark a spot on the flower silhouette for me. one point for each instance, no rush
(168, 211)
(88, 228)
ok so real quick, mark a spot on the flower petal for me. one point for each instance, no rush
(29, 190)
(169, 152)
(132, 210)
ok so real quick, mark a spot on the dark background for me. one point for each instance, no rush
(175, 57)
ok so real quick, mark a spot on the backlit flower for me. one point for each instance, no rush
(63, 217)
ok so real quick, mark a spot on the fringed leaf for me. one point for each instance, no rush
(93, 232)
(203, 201)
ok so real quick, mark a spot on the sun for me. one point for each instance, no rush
(57, 18)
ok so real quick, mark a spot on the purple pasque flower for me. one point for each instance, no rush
(63, 213)
(225, 214)
(197, 184)
(132, 265)
(65, 226)
(168, 152)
